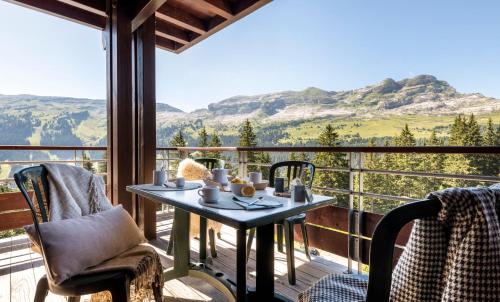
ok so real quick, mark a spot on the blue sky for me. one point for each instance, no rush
(288, 44)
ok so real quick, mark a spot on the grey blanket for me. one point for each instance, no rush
(456, 255)
(74, 192)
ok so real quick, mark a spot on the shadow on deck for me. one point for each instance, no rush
(20, 268)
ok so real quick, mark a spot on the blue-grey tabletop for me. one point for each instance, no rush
(239, 219)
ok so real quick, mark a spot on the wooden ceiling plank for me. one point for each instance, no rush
(144, 10)
(65, 11)
(219, 7)
(169, 31)
(244, 8)
(181, 18)
(94, 6)
(167, 44)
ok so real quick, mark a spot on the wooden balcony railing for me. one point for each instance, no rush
(344, 228)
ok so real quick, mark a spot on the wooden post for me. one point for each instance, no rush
(145, 121)
(121, 143)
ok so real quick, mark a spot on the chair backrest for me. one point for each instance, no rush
(384, 239)
(208, 162)
(36, 178)
(294, 169)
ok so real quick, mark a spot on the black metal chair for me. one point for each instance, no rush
(382, 249)
(117, 282)
(384, 239)
(209, 163)
(295, 169)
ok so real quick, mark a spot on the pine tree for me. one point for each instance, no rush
(457, 131)
(472, 135)
(373, 182)
(327, 179)
(406, 138)
(433, 139)
(248, 138)
(432, 163)
(215, 141)
(491, 135)
(178, 140)
(203, 140)
(490, 163)
(406, 185)
(460, 135)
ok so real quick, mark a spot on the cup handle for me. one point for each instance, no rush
(200, 192)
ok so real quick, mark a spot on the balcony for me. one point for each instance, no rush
(339, 234)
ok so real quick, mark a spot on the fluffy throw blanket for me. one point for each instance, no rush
(455, 256)
(191, 170)
(75, 192)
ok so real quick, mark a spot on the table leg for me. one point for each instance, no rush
(183, 267)
(203, 239)
(241, 266)
(265, 262)
(265, 267)
(181, 246)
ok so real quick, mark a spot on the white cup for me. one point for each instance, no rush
(209, 194)
(255, 177)
(180, 182)
(159, 177)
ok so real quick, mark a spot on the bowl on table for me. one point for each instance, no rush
(262, 185)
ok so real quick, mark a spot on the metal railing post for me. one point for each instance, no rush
(74, 158)
(360, 212)
(242, 163)
(351, 217)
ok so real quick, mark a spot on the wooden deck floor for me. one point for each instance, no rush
(20, 268)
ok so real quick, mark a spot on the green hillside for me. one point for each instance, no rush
(281, 118)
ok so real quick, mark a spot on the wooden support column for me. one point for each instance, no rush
(145, 120)
(121, 107)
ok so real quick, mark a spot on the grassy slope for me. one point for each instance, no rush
(381, 127)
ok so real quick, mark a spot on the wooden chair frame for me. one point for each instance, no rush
(117, 282)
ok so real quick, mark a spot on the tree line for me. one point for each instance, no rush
(465, 131)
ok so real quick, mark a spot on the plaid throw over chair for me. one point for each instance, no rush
(454, 256)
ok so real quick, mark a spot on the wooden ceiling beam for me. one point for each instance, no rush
(65, 11)
(242, 9)
(181, 18)
(167, 44)
(171, 32)
(143, 10)
(94, 6)
(219, 7)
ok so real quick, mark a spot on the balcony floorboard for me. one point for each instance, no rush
(20, 268)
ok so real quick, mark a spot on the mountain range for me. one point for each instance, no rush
(287, 117)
